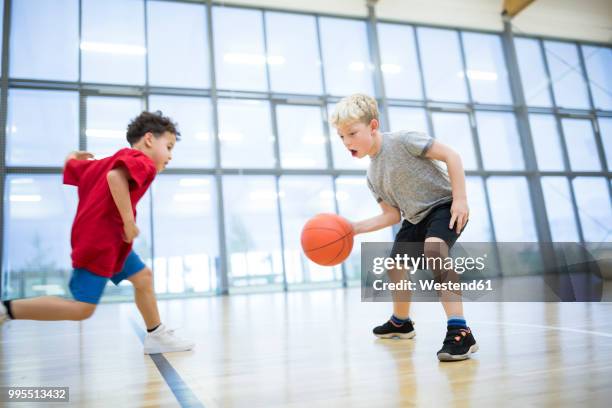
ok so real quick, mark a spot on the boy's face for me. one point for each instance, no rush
(160, 148)
(358, 137)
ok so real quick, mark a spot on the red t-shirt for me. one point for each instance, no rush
(97, 232)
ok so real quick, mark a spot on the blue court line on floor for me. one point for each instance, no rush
(179, 388)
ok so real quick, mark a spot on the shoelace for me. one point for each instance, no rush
(390, 322)
(169, 331)
(455, 336)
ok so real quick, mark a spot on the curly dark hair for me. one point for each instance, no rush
(154, 122)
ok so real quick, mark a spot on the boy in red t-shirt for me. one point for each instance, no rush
(103, 231)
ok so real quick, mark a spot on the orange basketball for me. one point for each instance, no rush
(327, 239)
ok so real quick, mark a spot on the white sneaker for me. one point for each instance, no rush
(163, 340)
(3, 313)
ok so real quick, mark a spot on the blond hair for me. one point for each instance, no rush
(355, 108)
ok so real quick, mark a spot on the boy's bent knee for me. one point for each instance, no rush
(84, 310)
(435, 248)
(142, 280)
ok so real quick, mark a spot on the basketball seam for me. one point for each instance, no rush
(329, 243)
(326, 228)
(338, 254)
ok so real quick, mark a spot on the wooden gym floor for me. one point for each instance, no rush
(315, 349)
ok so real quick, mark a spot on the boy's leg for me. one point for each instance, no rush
(50, 308)
(144, 296)
(141, 277)
(400, 325)
(459, 342)
(158, 339)
(407, 241)
(401, 298)
(451, 300)
(86, 288)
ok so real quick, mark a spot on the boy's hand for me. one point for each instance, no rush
(79, 155)
(459, 214)
(130, 231)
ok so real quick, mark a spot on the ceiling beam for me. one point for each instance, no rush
(513, 7)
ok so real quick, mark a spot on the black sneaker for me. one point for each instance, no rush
(390, 330)
(458, 344)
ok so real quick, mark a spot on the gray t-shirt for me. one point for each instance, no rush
(401, 176)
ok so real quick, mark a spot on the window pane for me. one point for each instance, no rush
(533, 72)
(245, 134)
(45, 39)
(546, 142)
(605, 129)
(302, 197)
(511, 209)
(302, 143)
(478, 228)
(355, 203)
(177, 57)
(107, 121)
(559, 209)
(113, 43)
(399, 62)
(252, 232)
(403, 118)
(185, 205)
(580, 142)
(514, 222)
(293, 53)
(38, 214)
(443, 71)
(594, 208)
(486, 68)
(499, 141)
(346, 57)
(42, 127)
(454, 130)
(194, 118)
(598, 62)
(240, 60)
(341, 156)
(566, 75)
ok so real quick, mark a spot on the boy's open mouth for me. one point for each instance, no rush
(353, 152)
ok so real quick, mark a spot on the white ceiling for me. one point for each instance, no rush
(589, 20)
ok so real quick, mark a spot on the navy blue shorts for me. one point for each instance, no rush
(88, 287)
(410, 239)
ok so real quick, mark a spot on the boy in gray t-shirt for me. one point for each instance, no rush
(408, 179)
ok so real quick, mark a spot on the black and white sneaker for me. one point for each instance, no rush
(390, 330)
(458, 344)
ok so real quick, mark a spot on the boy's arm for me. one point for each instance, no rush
(118, 182)
(459, 210)
(390, 215)
(73, 170)
(78, 155)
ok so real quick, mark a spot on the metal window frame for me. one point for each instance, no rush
(518, 107)
(6, 27)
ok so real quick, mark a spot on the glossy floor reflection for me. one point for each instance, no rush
(308, 349)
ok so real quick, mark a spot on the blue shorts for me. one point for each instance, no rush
(88, 287)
